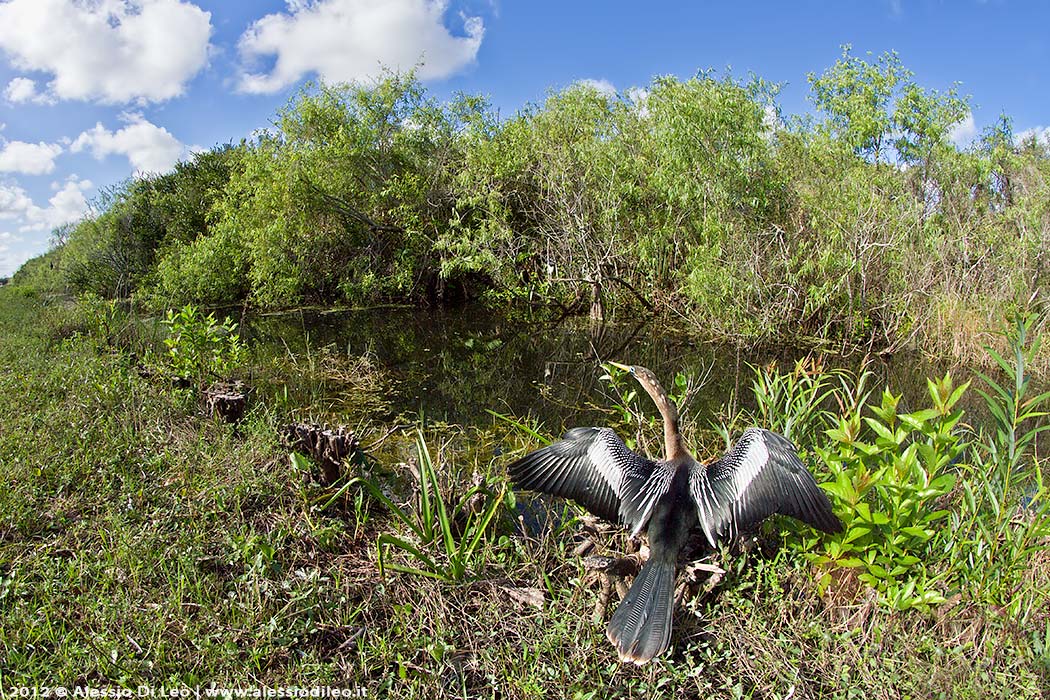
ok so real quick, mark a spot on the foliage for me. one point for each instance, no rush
(115, 252)
(933, 509)
(693, 196)
(792, 403)
(37, 275)
(209, 270)
(441, 549)
(345, 198)
(201, 348)
(1004, 518)
(887, 488)
(857, 96)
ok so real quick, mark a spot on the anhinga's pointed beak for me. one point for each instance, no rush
(625, 368)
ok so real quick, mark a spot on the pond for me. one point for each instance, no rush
(454, 365)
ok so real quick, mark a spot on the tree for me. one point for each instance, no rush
(925, 119)
(856, 95)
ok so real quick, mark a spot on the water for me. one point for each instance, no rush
(455, 365)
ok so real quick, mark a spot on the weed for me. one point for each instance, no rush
(1004, 518)
(792, 403)
(430, 522)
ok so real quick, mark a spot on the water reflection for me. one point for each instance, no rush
(453, 365)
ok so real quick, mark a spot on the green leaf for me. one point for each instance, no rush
(519, 426)
(881, 430)
(879, 518)
(917, 532)
(1006, 366)
(855, 533)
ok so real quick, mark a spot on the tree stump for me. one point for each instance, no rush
(326, 446)
(227, 400)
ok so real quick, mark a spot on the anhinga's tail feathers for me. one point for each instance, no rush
(641, 627)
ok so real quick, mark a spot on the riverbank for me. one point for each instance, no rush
(143, 541)
(862, 225)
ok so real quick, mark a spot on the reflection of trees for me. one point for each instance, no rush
(454, 366)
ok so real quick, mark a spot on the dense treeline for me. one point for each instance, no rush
(865, 223)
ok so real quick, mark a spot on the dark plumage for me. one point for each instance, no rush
(761, 475)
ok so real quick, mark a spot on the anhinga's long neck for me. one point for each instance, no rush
(673, 447)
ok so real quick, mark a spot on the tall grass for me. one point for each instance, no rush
(1004, 519)
(446, 537)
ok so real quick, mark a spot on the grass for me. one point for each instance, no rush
(143, 542)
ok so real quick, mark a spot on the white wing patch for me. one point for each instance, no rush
(595, 468)
(606, 463)
(754, 459)
(761, 475)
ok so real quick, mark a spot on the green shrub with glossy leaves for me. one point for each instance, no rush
(200, 347)
(889, 471)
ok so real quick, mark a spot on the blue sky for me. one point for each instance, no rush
(93, 91)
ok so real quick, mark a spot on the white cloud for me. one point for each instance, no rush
(964, 132)
(22, 90)
(639, 97)
(604, 87)
(352, 40)
(149, 148)
(34, 223)
(1041, 134)
(112, 51)
(14, 202)
(66, 205)
(28, 158)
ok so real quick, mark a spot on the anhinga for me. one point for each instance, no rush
(761, 475)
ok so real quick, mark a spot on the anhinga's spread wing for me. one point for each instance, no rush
(760, 476)
(594, 467)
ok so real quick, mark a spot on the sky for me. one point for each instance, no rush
(93, 92)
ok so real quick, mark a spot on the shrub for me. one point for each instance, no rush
(200, 348)
(888, 482)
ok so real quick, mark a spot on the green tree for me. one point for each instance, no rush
(925, 119)
(857, 95)
(347, 196)
(116, 252)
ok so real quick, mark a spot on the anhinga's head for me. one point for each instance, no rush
(646, 378)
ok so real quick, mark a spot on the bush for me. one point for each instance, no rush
(200, 348)
(211, 270)
(888, 491)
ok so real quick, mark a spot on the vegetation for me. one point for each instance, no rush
(432, 523)
(694, 197)
(200, 348)
(144, 541)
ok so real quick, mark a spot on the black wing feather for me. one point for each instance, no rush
(593, 467)
(761, 475)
